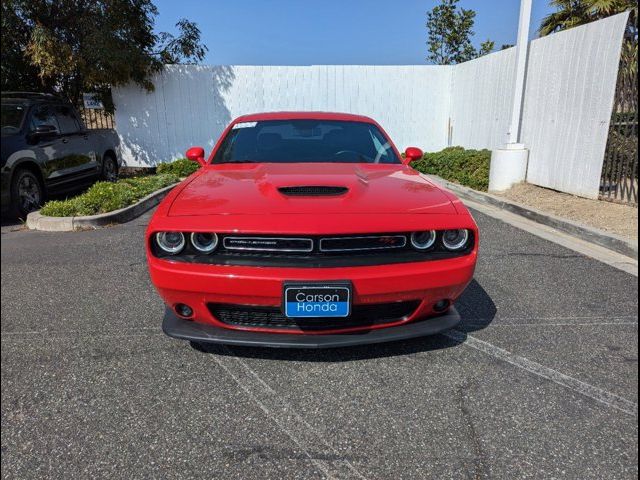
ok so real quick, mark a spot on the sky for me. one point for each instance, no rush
(331, 32)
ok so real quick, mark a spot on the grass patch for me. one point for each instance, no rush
(466, 167)
(182, 167)
(103, 197)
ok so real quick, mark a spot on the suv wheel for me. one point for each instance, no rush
(109, 168)
(27, 193)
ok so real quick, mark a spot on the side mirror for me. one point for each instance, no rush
(412, 154)
(44, 131)
(196, 154)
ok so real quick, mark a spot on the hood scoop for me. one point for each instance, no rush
(312, 191)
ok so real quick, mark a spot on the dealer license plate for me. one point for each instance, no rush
(317, 300)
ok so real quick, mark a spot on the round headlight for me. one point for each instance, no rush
(455, 239)
(204, 242)
(170, 242)
(423, 240)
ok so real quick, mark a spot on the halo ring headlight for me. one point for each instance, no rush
(204, 242)
(170, 242)
(423, 240)
(455, 239)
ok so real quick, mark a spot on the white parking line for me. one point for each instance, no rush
(595, 393)
(604, 255)
(64, 334)
(558, 324)
(284, 415)
(608, 317)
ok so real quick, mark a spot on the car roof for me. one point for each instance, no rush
(257, 117)
(25, 98)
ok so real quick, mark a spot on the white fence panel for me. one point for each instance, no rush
(569, 94)
(191, 105)
(568, 100)
(481, 100)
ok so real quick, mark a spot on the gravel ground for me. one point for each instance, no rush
(612, 217)
(539, 380)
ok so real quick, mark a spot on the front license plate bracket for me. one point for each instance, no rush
(317, 299)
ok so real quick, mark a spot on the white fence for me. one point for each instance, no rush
(191, 105)
(568, 100)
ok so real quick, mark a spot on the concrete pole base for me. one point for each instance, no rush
(508, 167)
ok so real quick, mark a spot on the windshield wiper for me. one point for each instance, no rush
(235, 161)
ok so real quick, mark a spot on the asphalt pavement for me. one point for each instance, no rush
(539, 381)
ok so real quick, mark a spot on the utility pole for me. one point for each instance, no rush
(522, 57)
(509, 164)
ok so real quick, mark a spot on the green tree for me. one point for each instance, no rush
(450, 33)
(572, 13)
(75, 46)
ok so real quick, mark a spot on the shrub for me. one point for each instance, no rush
(104, 197)
(182, 167)
(467, 167)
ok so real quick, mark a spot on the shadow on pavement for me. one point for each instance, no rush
(11, 223)
(475, 307)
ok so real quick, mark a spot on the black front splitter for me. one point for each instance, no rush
(177, 327)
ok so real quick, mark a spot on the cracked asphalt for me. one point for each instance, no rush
(539, 381)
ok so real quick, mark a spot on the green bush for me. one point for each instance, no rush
(182, 167)
(105, 197)
(467, 167)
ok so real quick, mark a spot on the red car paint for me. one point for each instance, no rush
(243, 199)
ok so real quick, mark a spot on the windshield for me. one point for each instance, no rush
(12, 116)
(296, 141)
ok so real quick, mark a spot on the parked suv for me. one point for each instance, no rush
(47, 149)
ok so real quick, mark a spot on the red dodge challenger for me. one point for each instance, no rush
(309, 230)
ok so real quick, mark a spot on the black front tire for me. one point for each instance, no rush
(109, 168)
(27, 193)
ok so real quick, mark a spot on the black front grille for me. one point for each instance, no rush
(268, 244)
(313, 244)
(314, 251)
(361, 243)
(313, 191)
(272, 317)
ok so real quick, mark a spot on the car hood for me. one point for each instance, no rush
(253, 189)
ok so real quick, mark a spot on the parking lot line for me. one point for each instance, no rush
(62, 334)
(559, 324)
(588, 249)
(284, 415)
(595, 393)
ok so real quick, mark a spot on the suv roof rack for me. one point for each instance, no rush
(30, 95)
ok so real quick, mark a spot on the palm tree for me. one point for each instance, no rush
(571, 13)
(568, 14)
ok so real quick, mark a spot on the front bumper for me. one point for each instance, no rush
(176, 327)
(199, 286)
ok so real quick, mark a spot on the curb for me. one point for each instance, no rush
(593, 235)
(35, 221)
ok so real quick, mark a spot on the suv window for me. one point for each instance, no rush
(12, 117)
(66, 119)
(43, 115)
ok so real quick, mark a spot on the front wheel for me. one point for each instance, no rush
(27, 193)
(109, 168)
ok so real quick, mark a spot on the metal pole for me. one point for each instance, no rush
(522, 52)
(509, 164)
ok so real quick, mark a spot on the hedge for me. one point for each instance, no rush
(466, 167)
(103, 197)
(182, 167)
